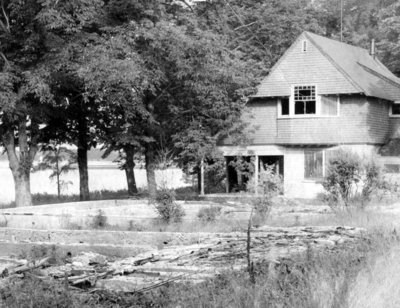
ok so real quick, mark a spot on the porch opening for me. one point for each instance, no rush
(240, 169)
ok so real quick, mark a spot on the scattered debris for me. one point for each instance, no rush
(186, 263)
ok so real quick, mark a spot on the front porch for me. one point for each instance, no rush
(238, 178)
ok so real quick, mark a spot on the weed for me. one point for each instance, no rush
(99, 221)
(4, 222)
(35, 292)
(133, 226)
(166, 207)
(209, 214)
(38, 252)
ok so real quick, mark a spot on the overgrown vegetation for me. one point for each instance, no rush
(38, 252)
(168, 210)
(209, 214)
(311, 279)
(353, 182)
(99, 221)
(269, 186)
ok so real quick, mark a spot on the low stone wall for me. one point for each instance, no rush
(80, 215)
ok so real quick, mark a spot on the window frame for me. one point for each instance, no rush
(280, 115)
(391, 110)
(317, 105)
(293, 102)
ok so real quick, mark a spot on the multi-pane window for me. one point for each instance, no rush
(313, 164)
(305, 100)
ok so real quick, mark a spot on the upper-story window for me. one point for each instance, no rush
(305, 100)
(395, 109)
(285, 105)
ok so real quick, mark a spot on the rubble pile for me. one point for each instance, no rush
(192, 263)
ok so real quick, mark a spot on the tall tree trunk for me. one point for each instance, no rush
(150, 158)
(21, 166)
(22, 186)
(129, 170)
(82, 159)
(58, 173)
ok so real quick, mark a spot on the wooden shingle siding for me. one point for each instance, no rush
(263, 121)
(361, 120)
(311, 67)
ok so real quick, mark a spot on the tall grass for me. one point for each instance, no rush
(378, 284)
(315, 279)
(325, 278)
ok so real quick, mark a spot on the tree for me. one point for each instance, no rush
(261, 30)
(75, 115)
(24, 91)
(31, 32)
(59, 160)
(389, 28)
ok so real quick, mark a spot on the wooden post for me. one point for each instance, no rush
(202, 177)
(256, 171)
(227, 174)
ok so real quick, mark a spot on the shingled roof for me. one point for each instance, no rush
(365, 74)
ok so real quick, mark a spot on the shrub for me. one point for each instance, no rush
(99, 220)
(269, 186)
(209, 214)
(166, 207)
(38, 252)
(351, 183)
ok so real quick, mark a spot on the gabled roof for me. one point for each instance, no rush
(364, 73)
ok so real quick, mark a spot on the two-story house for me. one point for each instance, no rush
(321, 95)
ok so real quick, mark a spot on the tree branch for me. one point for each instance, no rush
(33, 148)
(242, 26)
(7, 63)
(7, 25)
(9, 143)
(187, 4)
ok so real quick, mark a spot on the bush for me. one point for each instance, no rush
(351, 183)
(269, 186)
(209, 214)
(166, 207)
(99, 220)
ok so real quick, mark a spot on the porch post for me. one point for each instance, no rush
(227, 175)
(256, 171)
(202, 177)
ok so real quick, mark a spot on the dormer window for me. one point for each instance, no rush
(304, 46)
(305, 100)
